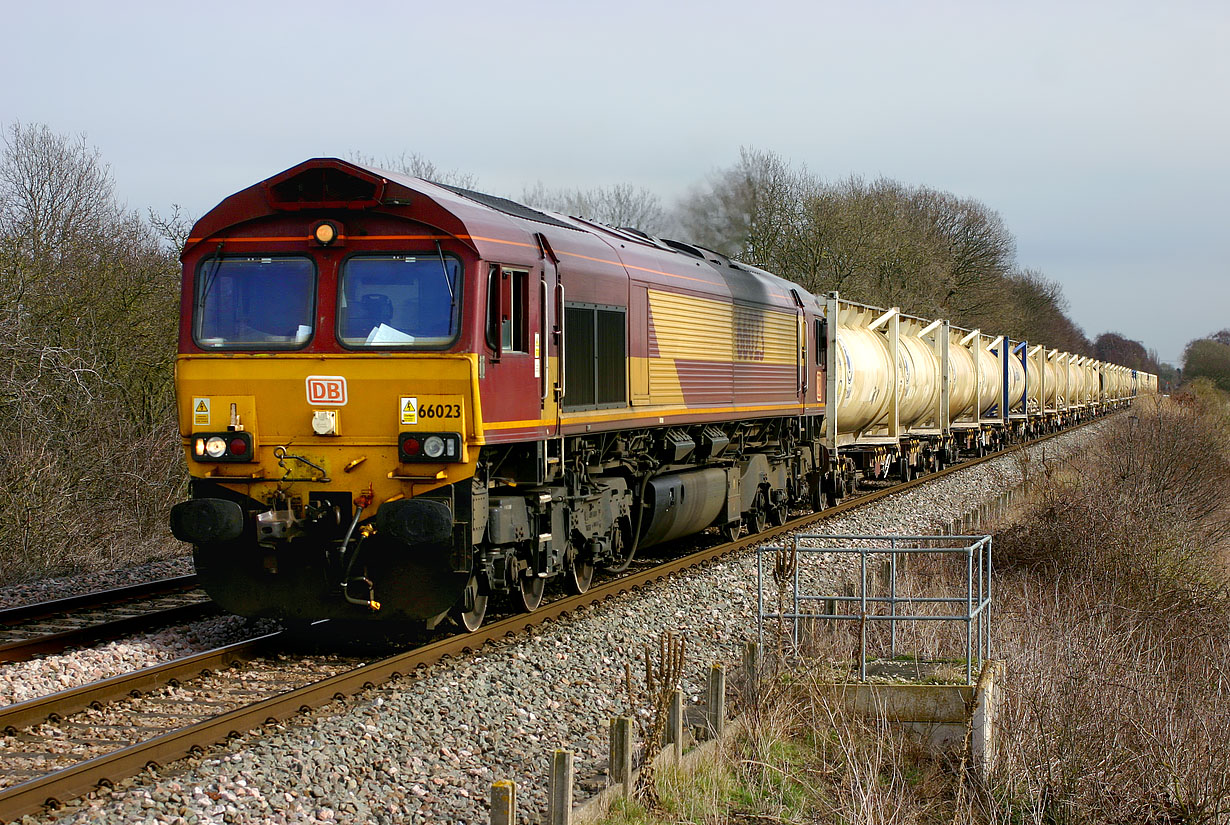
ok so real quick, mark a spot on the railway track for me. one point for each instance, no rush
(53, 626)
(67, 744)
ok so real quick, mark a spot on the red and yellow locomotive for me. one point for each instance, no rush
(399, 398)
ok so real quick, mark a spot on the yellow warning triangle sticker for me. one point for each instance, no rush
(409, 408)
(201, 407)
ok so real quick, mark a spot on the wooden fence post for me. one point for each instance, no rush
(559, 803)
(717, 700)
(674, 724)
(620, 763)
(504, 802)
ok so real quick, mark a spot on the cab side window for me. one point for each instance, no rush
(508, 309)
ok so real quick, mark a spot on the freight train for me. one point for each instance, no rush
(399, 399)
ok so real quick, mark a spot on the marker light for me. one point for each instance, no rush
(229, 446)
(429, 447)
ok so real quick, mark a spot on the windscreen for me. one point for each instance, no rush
(399, 301)
(255, 303)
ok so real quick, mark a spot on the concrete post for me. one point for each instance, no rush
(559, 803)
(983, 722)
(504, 802)
(674, 724)
(717, 701)
(619, 770)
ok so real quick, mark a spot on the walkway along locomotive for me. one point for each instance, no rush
(399, 398)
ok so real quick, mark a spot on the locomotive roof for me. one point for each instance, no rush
(485, 221)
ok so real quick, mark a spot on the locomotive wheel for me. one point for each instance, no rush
(581, 572)
(471, 608)
(731, 532)
(527, 594)
(756, 516)
(621, 543)
(778, 514)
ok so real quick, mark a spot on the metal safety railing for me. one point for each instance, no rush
(883, 604)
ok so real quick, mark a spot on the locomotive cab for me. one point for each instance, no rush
(327, 399)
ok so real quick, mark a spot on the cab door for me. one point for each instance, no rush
(513, 386)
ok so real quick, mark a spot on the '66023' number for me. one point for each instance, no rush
(440, 411)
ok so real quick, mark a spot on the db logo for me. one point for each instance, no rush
(326, 389)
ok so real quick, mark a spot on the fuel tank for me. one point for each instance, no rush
(682, 503)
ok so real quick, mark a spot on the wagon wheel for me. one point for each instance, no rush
(815, 490)
(581, 571)
(756, 516)
(732, 531)
(471, 608)
(838, 492)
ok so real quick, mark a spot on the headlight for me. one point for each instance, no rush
(433, 446)
(429, 447)
(228, 446)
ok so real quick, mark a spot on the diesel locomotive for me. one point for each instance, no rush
(399, 399)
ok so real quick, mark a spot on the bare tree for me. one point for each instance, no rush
(745, 211)
(619, 205)
(88, 318)
(417, 166)
(1115, 348)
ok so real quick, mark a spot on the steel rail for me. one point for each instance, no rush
(25, 649)
(99, 598)
(56, 706)
(77, 780)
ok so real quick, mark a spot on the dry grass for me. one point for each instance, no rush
(1114, 625)
(1112, 598)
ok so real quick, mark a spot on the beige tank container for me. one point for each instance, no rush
(1031, 381)
(961, 384)
(1050, 384)
(990, 379)
(863, 374)
(1076, 382)
(1091, 381)
(1016, 381)
(865, 371)
(918, 377)
(1063, 378)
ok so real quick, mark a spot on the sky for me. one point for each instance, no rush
(1100, 131)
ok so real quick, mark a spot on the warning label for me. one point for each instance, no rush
(409, 407)
(200, 412)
